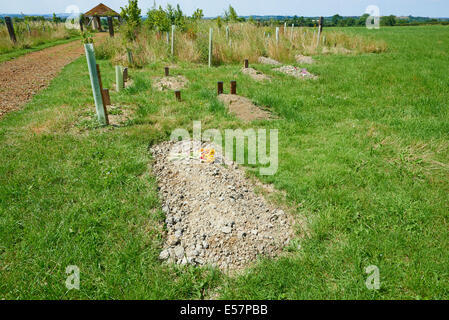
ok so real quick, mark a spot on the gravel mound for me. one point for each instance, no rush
(265, 60)
(297, 73)
(256, 75)
(213, 215)
(170, 83)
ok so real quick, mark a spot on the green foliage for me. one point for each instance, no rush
(219, 23)
(388, 21)
(158, 20)
(198, 14)
(231, 15)
(131, 15)
(161, 20)
(86, 37)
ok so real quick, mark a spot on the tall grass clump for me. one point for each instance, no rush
(31, 34)
(150, 41)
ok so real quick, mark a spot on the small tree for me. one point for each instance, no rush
(131, 15)
(198, 14)
(219, 23)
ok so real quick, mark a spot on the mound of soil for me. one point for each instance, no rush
(213, 215)
(170, 83)
(265, 60)
(256, 75)
(304, 59)
(297, 73)
(243, 108)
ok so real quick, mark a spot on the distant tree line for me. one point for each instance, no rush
(340, 21)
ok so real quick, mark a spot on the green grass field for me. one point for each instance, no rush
(363, 159)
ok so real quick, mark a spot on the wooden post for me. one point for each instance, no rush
(233, 87)
(167, 71)
(103, 95)
(246, 63)
(91, 63)
(125, 75)
(173, 40)
(321, 24)
(111, 27)
(220, 87)
(211, 31)
(10, 27)
(118, 78)
(178, 95)
(106, 98)
(81, 24)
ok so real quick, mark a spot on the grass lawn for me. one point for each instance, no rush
(363, 158)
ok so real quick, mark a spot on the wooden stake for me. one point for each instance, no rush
(103, 97)
(220, 87)
(125, 75)
(111, 27)
(233, 87)
(81, 24)
(10, 27)
(167, 71)
(178, 95)
(106, 99)
(246, 63)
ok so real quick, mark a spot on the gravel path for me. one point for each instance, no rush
(25, 76)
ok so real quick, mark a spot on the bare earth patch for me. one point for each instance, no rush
(23, 77)
(170, 83)
(243, 108)
(304, 59)
(297, 73)
(265, 60)
(256, 75)
(213, 215)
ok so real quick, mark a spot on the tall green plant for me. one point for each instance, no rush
(131, 15)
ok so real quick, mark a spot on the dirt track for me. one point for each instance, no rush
(25, 76)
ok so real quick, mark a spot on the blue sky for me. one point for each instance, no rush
(428, 8)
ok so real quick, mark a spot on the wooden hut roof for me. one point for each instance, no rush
(101, 11)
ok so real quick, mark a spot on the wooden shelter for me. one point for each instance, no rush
(101, 11)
